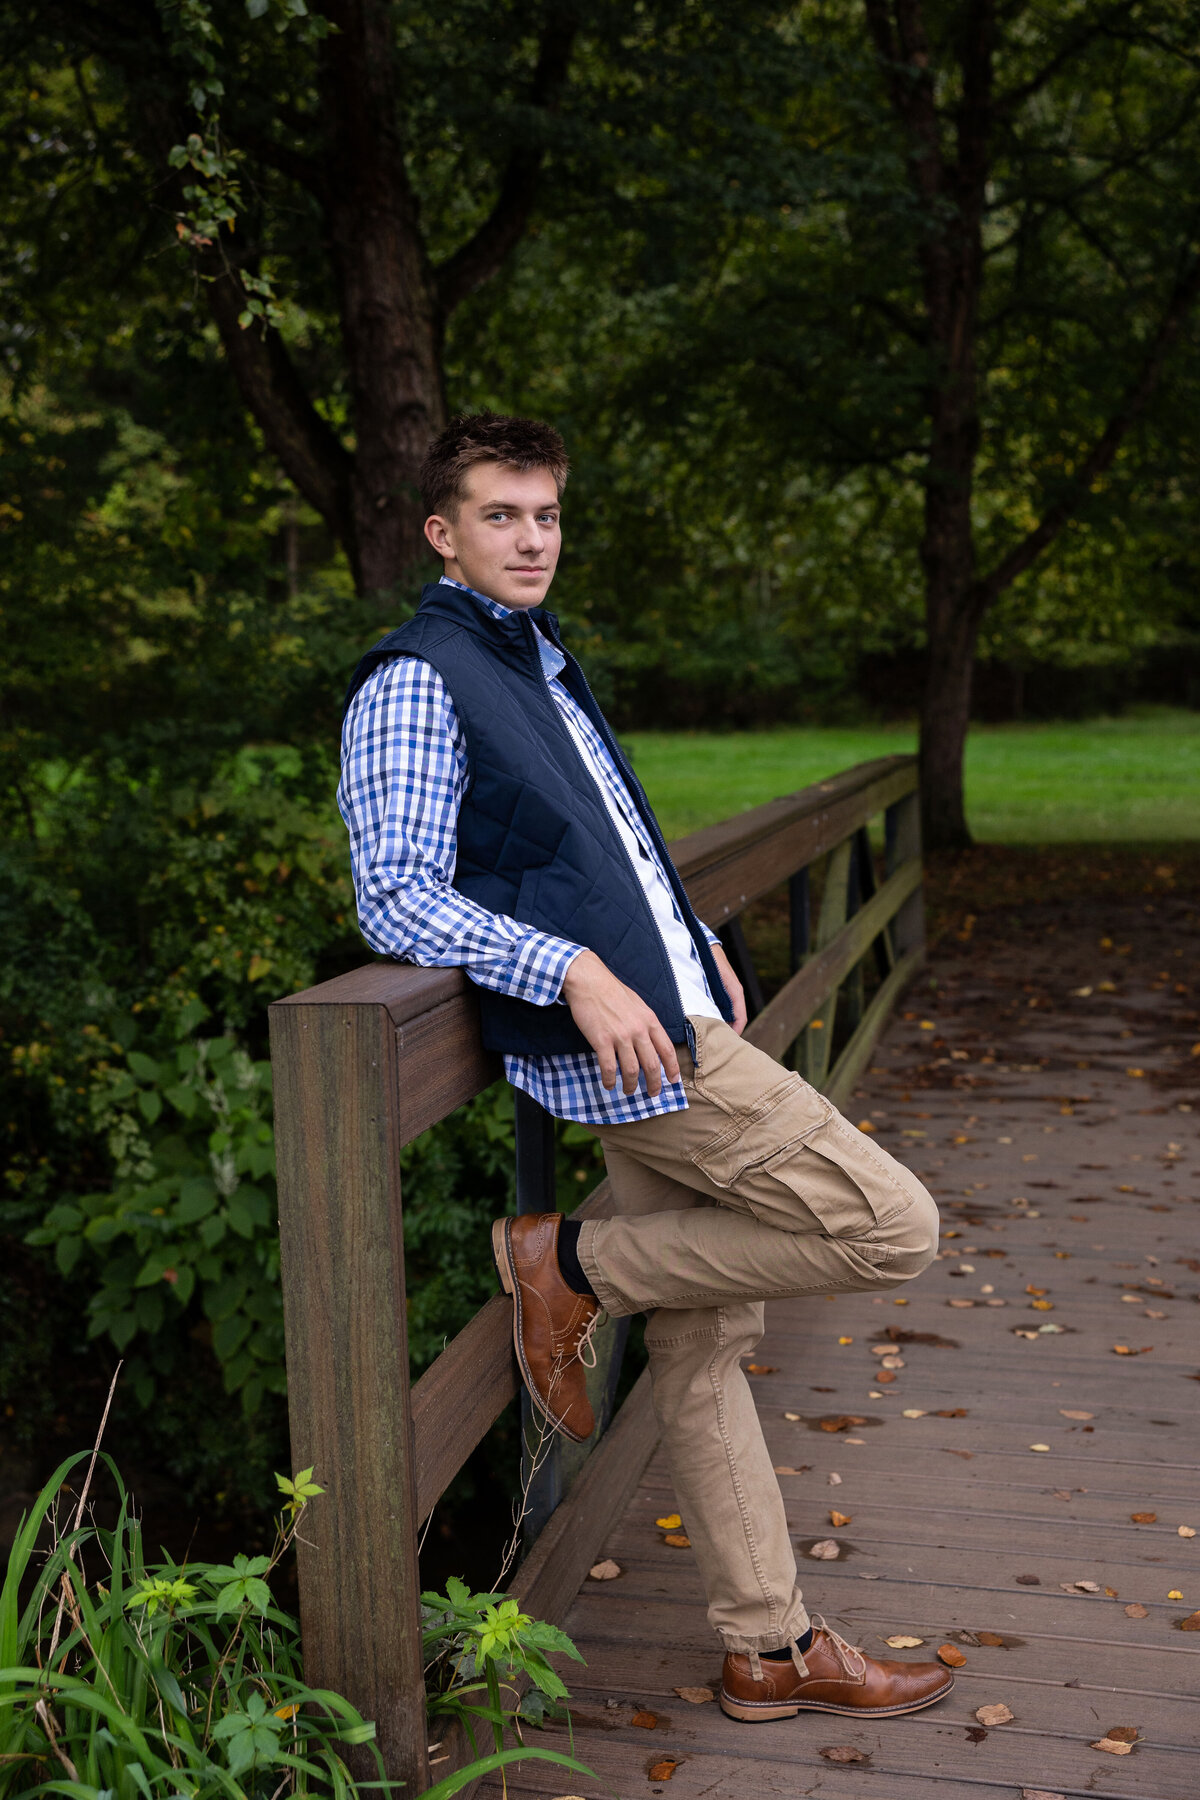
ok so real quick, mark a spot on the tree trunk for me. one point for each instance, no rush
(951, 189)
(945, 717)
(387, 295)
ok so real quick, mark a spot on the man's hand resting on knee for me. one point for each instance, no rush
(622, 1030)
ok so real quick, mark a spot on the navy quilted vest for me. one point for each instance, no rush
(535, 839)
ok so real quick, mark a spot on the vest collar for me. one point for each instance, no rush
(443, 599)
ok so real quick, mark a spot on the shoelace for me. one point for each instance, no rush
(585, 1350)
(847, 1654)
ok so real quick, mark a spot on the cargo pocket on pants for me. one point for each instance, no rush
(755, 1135)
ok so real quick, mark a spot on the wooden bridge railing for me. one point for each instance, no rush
(365, 1063)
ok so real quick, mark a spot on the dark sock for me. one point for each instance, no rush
(802, 1644)
(569, 1265)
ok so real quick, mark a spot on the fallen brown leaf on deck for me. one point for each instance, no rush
(1187, 1531)
(1042, 1305)
(695, 1696)
(1123, 1734)
(1137, 1611)
(1112, 1593)
(1040, 1794)
(1143, 1518)
(998, 1714)
(762, 1368)
(1089, 1587)
(883, 1376)
(792, 1416)
(1075, 1415)
(1191, 1623)
(646, 1720)
(785, 1469)
(669, 1522)
(607, 1570)
(1039, 1446)
(903, 1642)
(842, 1753)
(1036, 1290)
(825, 1550)
(678, 1540)
(838, 1519)
(960, 1303)
(1029, 1580)
(662, 1771)
(991, 1638)
(1114, 1746)
(966, 1456)
(951, 1412)
(842, 1422)
(951, 1655)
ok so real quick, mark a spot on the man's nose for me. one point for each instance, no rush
(529, 537)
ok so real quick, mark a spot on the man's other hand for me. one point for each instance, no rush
(733, 988)
(622, 1030)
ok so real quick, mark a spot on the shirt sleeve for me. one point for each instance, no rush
(404, 767)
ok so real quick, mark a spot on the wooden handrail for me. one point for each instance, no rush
(363, 1065)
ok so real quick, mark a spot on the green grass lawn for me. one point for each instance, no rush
(1133, 779)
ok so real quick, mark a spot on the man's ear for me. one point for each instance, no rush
(437, 531)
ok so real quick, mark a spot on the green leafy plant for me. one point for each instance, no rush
(119, 1678)
(122, 1680)
(476, 1647)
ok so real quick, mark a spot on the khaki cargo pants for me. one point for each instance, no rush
(759, 1189)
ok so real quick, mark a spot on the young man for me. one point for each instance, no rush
(495, 825)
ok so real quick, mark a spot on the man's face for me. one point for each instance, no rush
(505, 539)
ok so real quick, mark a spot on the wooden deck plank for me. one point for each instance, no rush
(946, 1512)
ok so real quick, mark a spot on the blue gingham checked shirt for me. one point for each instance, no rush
(404, 769)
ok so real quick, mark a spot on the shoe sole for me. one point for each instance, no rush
(758, 1713)
(502, 1255)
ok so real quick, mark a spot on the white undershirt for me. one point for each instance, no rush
(693, 988)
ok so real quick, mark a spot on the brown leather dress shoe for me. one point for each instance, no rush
(552, 1324)
(839, 1679)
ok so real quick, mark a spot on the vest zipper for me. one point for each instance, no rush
(531, 630)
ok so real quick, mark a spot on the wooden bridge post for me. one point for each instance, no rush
(342, 1262)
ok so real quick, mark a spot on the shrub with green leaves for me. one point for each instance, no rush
(123, 1680)
(191, 1210)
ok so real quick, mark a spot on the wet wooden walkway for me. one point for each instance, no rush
(991, 1484)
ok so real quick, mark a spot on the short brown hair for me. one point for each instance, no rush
(472, 438)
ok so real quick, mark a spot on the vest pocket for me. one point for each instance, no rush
(524, 908)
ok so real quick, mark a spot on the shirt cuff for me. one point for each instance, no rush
(714, 942)
(540, 967)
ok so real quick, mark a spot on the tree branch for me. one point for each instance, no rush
(312, 454)
(1103, 453)
(485, 252)
(1007, 103)
(296, 165)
